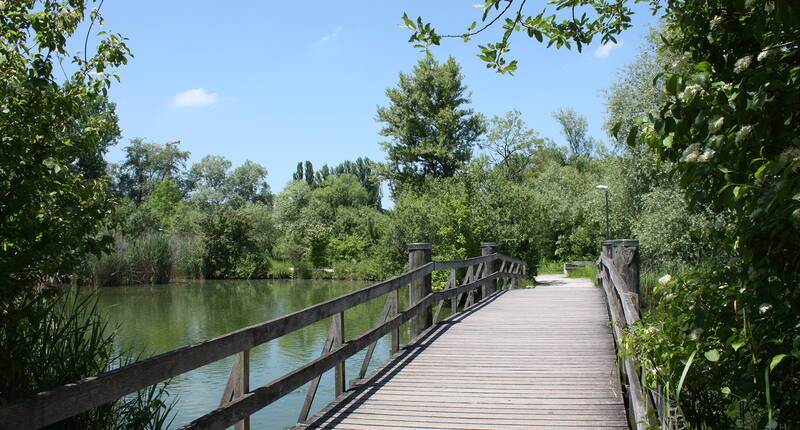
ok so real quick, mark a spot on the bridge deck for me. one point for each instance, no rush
(527, 358)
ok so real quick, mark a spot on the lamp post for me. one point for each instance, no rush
(605, 188)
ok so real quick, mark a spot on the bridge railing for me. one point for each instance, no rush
(618, 272)
(238, 400)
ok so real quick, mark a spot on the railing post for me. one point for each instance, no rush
(338, 321)
(489, 248)
(625, 255)
(244, 384)
(419, 254)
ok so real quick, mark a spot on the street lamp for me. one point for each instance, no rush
(605, 188)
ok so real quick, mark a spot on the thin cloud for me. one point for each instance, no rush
(605, 50)
(194, 98)
(326, 38)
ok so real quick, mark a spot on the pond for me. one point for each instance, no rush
(161, 318)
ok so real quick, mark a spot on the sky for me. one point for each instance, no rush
(282, 82)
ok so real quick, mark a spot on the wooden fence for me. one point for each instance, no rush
(489, 271)
(618, 272)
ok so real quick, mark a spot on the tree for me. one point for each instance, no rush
(511, 144)
(575, 130)
(209, 179)
(147, 164)
(51, 211)
(363, 169)
(432, 132)
(54, 206)
(249, 184)
(298, 174)
(309, 174)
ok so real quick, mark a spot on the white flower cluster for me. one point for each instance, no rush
(743, 133)
(716, 124)
(742, 63)
(690, 91)
(716, 21)
(766, 52)
(664, 279)
(692, 154)
(706, 155)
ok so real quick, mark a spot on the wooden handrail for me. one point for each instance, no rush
(49, 407)
(261, 397)
(624, 311)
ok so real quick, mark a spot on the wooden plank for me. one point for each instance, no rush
(52, 406)
(524, 358)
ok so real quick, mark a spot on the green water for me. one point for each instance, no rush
(164, 317)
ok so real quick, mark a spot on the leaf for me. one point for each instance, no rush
(776, 360)
(738, 343)
(703, 66)
(615, 130)
(672, 84)
(725, 390)
(683, 375)
(631, 140)
(712, 355)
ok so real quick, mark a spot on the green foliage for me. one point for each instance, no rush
(53, 202)
(249, 184)
(146, 165)
(511, 145)
(550, 267)
(145, 259)
(432, 132)
(230, 250)
(575, 129)
(52, 337)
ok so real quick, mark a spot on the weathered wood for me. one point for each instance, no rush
(52, 406)
(394, 296)
(230, 387)
(629, 304)
(419, 254)
(388, 312)
(451, 282)
(492, 367)
(243, 385)
(487, 249)
(616, 305)
(459, 264)
(255, 400)
(312, 389)
(338, 340)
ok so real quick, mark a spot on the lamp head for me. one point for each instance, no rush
(602, 187)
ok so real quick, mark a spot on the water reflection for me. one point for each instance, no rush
(165, 317)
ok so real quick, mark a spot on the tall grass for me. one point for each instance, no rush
(187, 257)
(549, 267)
(589, 271)
(144, 260)
(53, 336)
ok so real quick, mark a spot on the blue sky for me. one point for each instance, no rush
(280, 82)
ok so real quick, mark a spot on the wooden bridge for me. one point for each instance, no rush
(505, 357)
